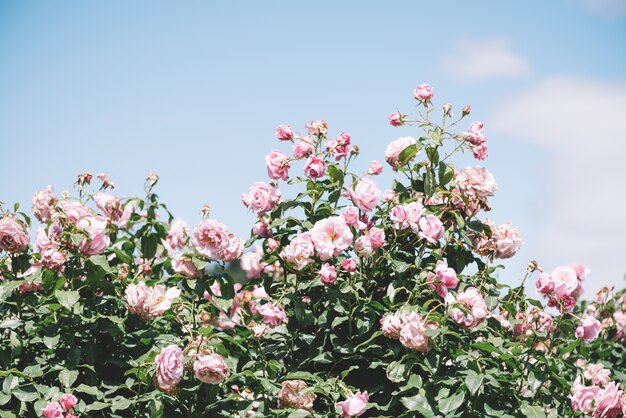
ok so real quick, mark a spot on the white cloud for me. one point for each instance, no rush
(476, 60)
(581, 124)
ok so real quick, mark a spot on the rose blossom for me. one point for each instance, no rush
(475, 134)
(272, 315)
(442, 279)
(314, 167)
(330, 237)
(375, 168)
(68, 401)
(476, 182)
(391, 325)
(363, 246)
(169, 368)
(290, 395)
(13, 236)
(277, 165)
(211, 239)
(395, 148)
(317, 127)
(423, 92)
(299, 251)
(339, 146)
(349, 265)
(407, 215)
(609, 402)
(396, 119)
(507, 240)
(234, 249)
(43, 204)
(583, 396)
(328, 274)
(480, 152)
(284, 132)
(473, 302)
(351, 216)
(598, 375)
(261, 198)
(184, 266)
(354, 405)
(97, 240)
(52, 410)
(210, 369)
(251, 263)
(303, 148)
(108, 204)
(74, 211)
(389, 195)
(54, 260)
(377, 237)
(261, 229)
(149, 302)
(430, 228)
(589, 328)
(177, 235)
(413, 337)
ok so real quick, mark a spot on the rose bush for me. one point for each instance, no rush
(356, 300)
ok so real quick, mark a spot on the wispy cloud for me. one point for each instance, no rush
(583, 199)
(479, 60)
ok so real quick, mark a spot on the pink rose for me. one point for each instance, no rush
(507, 240)
(43, 204)
(391, 325)
(317, 127)
(407, 215)
(272, 315)
(598, 375)
(54, 260)
(480, 151)
(395, 148)
(413, 336)
(97, 240)
(177, 235)
(68, 401)
(299, 251)
(375, 168)
(169, 368)
(473, 302)
(354, 405)
(211, 239)
(314, 167)
(74, 211)
(261, 229)
(423, 93)
(430, 228)
(475, 134)
(396, 119)
(284, 132)
(52, 410)
(108, 204)
(589, 328)
(365, 194)
(251, 263)
(476, 182)
(389, 195)
(330, 237)
(13, 236)
(234, 249)
(340, 146)
(303, 148)
(261, 198)
(545, 284)
(609, 402)
(291, 396)
(583, 396)
(349, 265)
(351, 216)
(363, 246)
(277, 165)
(377, 237)
(149, 302)
(442, 279)
(184, 266)
(328, 274)
(210, 369)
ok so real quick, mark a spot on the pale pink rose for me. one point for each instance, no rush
(46, 241)
(413, 337)
(330, 237)
(363, 246)
(169, 368)
(581, 270)
(106, 181)
(261, 198)
(507, 240)
(609, 402)
(258, 330)
(68, 401)
(473, 302)
(97, 240)
(303, 148)
(149, 302)
(261, 229)
(74, 211)
(43, 204)
(299, 251)
(53, 259)
(339, 146)
(582, 397)
(211, 239)
(284, 132)
(535, 320)
(52, 410)
(272, 244)
(396, 119)
(391, 325)
(395, 148)
(277, 165)
(377, 237)
(177, 235)
(407, 215)
(598, 375)
(291, 396)
(567, 277)
(389, 195)
(349, 265)
(272, 315)
(580, 363)
(442, 279)
(13, 235)
(234, 249)
(545, 284)
(108, 204)
(431, 228)
(620, 323)
(476, 182)
(354, 405)
(314, 167)
(183, 265)
(210, 369)
(251, 263)
(317, 127)
(589, 329)
(375, 168)
(475, 134)
(351, 216)
(328, 274)
(480, 152)
(423, 93)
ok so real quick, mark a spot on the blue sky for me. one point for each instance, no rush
(194, 91)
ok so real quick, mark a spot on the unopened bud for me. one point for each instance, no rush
(354, 150)
(447, 110)
(466, 110)
(205, 211)
(84, 178)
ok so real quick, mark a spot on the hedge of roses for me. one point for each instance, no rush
(356, 300)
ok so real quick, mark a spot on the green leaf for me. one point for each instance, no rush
(68, 377)
(51, 342)
(67, 298)
(102, 262)
(149, 246)
(418, 403)
(395, 371)
(120, 403)
(96, 406)
(452, 403)
(446, 173)
(473, 381)
(408, 154)
(429, 182)
(532, 411)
